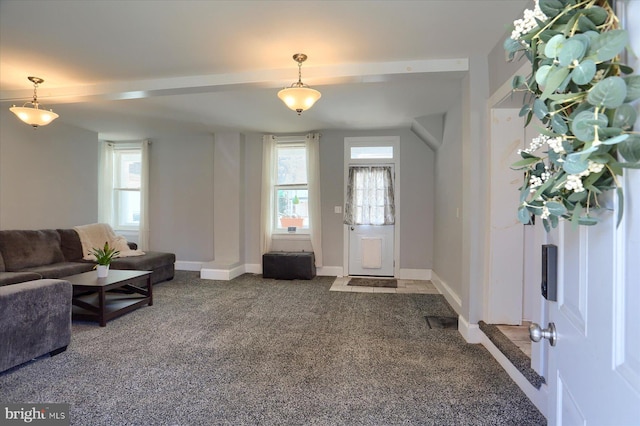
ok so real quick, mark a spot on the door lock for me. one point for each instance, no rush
(536, 333)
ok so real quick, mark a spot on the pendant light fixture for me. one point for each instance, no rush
(34, 116)
(299, 97)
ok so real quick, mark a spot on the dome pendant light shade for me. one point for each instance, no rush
(34, 116)
(299, 97)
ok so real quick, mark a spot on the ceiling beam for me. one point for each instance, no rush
(274, 78)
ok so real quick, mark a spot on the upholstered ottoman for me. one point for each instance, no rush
(289, 265)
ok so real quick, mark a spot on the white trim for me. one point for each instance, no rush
(452, 297)
(415, 274)
(538, 397)
(330, 271)
(470, 332)
(253, 268)
(211, 271)
(374, 141)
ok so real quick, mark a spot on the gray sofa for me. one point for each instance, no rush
(57, 253)
(35, 319)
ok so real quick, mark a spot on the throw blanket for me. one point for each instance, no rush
(96, 234)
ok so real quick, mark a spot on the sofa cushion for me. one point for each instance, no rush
(149, 261)
(70, 245)
(62, 269)
(1, 263)
(26, 249)
(7, 278)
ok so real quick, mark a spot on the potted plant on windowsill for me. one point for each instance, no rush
(104, 256)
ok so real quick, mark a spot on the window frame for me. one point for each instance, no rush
(119, 150)
(283, 142)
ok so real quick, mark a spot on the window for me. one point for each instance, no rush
(371, 152)
(123, 197)
(291, 189)
(127, 167)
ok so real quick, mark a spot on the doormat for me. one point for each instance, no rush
(373, 282)
(445, 323)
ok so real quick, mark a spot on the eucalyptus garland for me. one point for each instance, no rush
(581, 92)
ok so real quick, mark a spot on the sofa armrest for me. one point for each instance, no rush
(35, 318)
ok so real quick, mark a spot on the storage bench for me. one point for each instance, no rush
(289, 265)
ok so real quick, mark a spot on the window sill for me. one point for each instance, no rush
(290, 236)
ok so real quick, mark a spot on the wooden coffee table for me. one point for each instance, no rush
(93, 299)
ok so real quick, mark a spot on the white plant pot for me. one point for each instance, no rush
(103, 271)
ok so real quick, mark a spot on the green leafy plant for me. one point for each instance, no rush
(104, 255)
(581, 92)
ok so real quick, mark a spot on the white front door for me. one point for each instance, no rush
(370, 218)
(371, 250)
(594, 367)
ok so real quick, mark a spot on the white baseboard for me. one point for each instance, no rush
(253, 268)
(330, 271)
(451, 296)
(221, 271)
(415, 274)
(537, 396)
(470, 332)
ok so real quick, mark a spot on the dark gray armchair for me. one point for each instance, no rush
(35, 319)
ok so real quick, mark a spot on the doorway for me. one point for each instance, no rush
(371, 194)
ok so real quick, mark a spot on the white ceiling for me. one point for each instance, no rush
(120, 68)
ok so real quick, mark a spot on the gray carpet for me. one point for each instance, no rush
(251, 352)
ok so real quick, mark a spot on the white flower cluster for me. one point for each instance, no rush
(545, 212)
(574, 182)
(526, 24)
(535, 181)
(554, 143)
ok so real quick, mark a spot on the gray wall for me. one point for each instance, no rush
(417, 162)
(48, 178)
(448, 203)
(48, 175)
(181, 195)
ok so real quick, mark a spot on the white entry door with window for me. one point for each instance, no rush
(370, 216)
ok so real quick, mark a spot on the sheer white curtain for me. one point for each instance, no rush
(370, 197)
(313, 176)
(144, 197)
(105, 183)
(268, 180)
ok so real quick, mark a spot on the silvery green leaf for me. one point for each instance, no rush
(524, 216)
(555, 79)
(524, 110)
(540, 109)
(615, 140)
(587, 220)
(558, 124)
(552, 49)
(625, 117)
(555, 208)
(524, 163)
(607, 45)
(584, 124)
(584, 72)
(511, 45)
(608, 93)
(517, 81)
(554, 220)
(630, 149)
(585, 24)
(571, 50)
(546, 225)
(551, 8)
(542, 73)
(633, 87)
(575, 163)
(596, 14)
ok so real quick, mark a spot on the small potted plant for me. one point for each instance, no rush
(104, 256)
